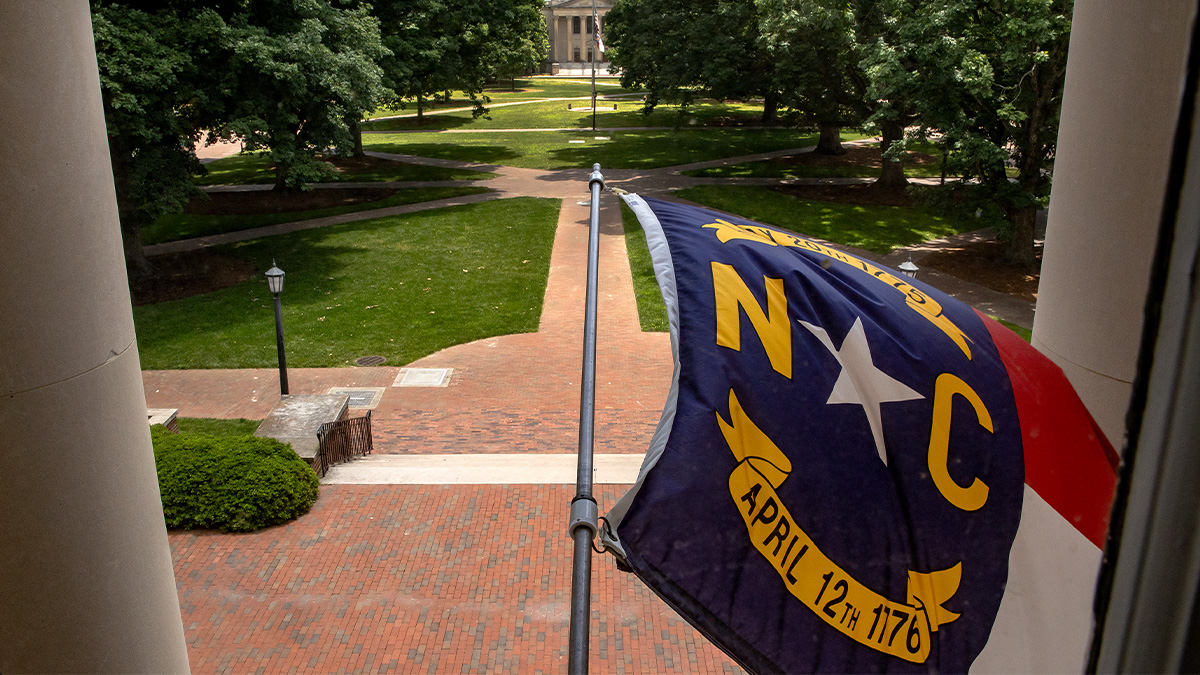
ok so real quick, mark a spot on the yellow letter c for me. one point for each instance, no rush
(970, 498)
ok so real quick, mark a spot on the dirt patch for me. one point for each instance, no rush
(269, 201)
(358, 164)
(863, 156)
(983, 263)
(864, 195)
(182, 275)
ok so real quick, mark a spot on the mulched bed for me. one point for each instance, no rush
(182, 275)
(983, 263)
(869, 156)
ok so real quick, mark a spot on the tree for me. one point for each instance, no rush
(818, 48)
(158, 94)
(518, 41)
(678, 49)
(987, 76)
(302, 69)
(436, 46)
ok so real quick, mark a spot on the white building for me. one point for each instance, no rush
(572, 33)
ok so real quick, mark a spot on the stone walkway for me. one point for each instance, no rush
(450, 577)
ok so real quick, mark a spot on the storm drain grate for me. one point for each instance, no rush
(369, 360)
(360, 397)
(423, 377)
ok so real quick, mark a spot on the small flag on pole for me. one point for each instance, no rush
(855, 472)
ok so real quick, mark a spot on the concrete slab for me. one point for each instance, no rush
(164, 416)
(481, 470)
(296, 419)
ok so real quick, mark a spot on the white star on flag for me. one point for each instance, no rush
(860, 382)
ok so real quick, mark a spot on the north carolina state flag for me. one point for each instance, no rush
(855, 472)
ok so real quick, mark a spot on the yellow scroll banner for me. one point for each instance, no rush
(900, 629)
(924, 305)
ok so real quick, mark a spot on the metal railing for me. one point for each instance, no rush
(342, 441)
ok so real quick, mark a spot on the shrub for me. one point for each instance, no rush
(235, 484)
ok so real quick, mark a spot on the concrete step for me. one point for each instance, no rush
(489, 469)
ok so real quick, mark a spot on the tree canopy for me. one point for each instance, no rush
(159, 91)
(984, 79)
(678, 49)
(438, 46)
(301, 68)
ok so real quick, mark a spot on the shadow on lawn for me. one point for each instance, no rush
(476, 154)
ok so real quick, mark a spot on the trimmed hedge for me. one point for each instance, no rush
(234, 484)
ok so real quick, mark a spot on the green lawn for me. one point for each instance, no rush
(875, 228)
(400, 287)
(217, 427)
(254, 169)
(652, 313)
(188, 225)
(1025, 333)
(528, 89)
(643, 149)
(556, 115)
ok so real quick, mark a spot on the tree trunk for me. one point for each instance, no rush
(355, 124)
(137, 265)
(1020, 249)
(770, 108)
(830, 142)
(420, 108)
(892, 173)
(281, 176)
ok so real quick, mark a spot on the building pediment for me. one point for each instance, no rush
(556, 5)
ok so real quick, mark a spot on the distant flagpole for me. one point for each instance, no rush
(582, 527)
(595, 55)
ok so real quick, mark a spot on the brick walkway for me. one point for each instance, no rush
(419, 579)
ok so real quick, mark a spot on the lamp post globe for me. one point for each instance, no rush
(275, 279)
(908, 268)
(275, 283)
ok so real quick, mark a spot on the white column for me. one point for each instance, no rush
(1120, 107)
(564, 38)
(86, 582)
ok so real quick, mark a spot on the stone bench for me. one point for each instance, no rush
(295, 419)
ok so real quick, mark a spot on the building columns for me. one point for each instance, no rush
(86, 579)
(1120, 105)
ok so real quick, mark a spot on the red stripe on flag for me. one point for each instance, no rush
(1068, 461)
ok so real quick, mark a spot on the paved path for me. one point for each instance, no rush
(416, 568)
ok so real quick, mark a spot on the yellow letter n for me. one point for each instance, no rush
(772, 326)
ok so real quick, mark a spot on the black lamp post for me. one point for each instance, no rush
(275, 283)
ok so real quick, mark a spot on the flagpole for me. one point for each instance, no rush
(584, 513)
(595, 55)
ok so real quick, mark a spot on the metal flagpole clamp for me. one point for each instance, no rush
(584, 513)
(596, 177)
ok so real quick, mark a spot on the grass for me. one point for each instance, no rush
(556, 115)
(552, 150)
(188, 225)
(875, 228)
(217, 427)
(652, 312)
(1025, 333)
(255, 169)
(400, 287)
(528, 89)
